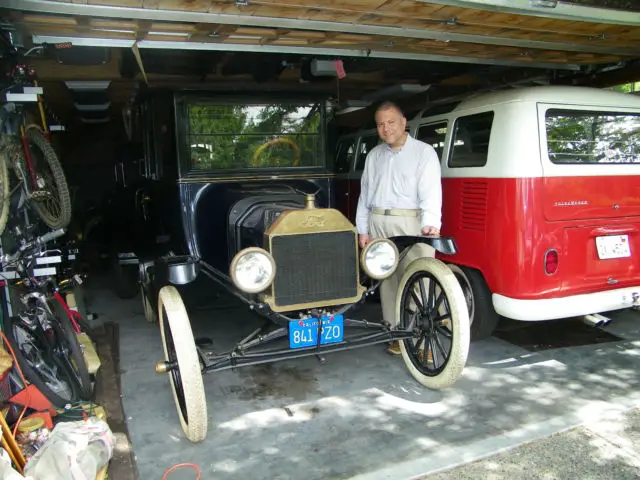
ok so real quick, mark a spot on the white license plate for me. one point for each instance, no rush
(613, 246)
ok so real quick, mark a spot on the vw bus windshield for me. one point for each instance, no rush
(248, 136)
(579, 137)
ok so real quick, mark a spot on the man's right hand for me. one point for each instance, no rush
(363, 240)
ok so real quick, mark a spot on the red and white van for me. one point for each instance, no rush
(541, 190)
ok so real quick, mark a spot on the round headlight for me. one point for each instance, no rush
(253, 270)
(380, 258)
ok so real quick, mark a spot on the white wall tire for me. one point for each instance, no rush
(432, 324)
(186, 380)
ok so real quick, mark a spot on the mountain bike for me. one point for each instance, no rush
(25, 149)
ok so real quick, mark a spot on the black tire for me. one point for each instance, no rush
(75, 360)
(482, 315)
(56, 212)
(37, 377)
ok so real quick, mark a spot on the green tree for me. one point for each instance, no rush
(575, 137)
(223, 136)
(213, 130)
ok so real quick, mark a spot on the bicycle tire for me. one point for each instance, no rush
(35, 377)
(36, 137)
(67, 334)
(5, 190)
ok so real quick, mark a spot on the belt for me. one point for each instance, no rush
(396, 212)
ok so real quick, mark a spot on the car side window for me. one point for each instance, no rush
(470, 144)
(366, 145)
(434, 135)
(345, 154)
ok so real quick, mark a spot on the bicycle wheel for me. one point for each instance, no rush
(71, 351)
(5, 190)
(51, 199)
(39, 366)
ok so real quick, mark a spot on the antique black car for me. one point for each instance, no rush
(248, 203)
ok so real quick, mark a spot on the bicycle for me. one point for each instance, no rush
(45, 344)
(25, 149)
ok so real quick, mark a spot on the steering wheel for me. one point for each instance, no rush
(275, 141)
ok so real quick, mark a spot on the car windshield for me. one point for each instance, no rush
(232, 137)
(579, 137)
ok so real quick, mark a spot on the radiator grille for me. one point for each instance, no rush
(473, 210)
(314, 267)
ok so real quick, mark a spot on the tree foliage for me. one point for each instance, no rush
(254, 136)
(576, 137)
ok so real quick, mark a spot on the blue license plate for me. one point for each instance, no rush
(304, 333)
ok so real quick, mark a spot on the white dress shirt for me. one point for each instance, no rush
(408, 178)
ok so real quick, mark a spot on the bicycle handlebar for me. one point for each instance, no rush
(38, 241)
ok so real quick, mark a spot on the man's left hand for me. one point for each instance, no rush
(430, 231)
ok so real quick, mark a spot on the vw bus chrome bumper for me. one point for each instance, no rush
(565, 307)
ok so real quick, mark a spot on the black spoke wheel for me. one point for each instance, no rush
(183, 363)
(431, 304)
(38, 363)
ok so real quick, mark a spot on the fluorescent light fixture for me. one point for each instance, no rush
(243, 37)
(352, 105)
(544, 3)
(87, 84)
(114, 30)
(92, 108)
(171, 34)
(396, 91)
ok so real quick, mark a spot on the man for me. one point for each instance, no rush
(400, 194)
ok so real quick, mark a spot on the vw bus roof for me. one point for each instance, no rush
(569, 95)
(554, 94)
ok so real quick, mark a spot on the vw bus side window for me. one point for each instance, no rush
(470, 145)
(344, 157)
(433, 135)
(577, 137)
(366, 145)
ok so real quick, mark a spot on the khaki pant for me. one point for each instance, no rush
(390, 226)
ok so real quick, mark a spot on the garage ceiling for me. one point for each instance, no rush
(454, 46)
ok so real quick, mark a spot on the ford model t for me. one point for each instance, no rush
(248, 203)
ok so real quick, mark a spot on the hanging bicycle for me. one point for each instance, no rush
(25, 149)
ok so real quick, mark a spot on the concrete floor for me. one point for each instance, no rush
(604, 449)
(360, 415)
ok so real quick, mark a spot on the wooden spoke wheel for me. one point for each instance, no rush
(431, 303)
(182, 364)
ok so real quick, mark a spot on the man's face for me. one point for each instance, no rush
(391, 125)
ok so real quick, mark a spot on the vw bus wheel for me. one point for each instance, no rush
(431, 303)
(182, 364)
(483, 318)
